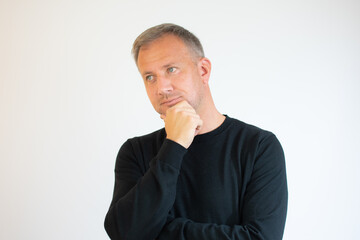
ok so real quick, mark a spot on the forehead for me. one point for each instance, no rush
(166, 49)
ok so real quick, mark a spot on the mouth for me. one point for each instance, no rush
(171, 102)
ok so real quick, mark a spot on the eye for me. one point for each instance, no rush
(171, 69)
(149, 77)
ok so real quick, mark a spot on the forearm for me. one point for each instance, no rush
(181, 229)
(263, 211)
(140, 211)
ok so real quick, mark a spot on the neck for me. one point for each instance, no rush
(210, 116)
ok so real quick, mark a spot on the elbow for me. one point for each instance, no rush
(117, 231)
(110, 230)
(111, 226)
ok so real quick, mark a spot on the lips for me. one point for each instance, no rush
(171, 102)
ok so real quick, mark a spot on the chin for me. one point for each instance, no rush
(160, 110)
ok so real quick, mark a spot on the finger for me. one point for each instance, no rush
(189, 113)
(182, 109)
(199, 124)
(198, 127)
(183, 105)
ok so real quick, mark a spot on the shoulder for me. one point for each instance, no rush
(144, 144)
(262, 145)
(251, 138)
(140, 150)
(154, 138)
(248, 131)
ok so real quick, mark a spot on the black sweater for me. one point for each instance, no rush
(229, 184)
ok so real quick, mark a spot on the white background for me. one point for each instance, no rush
(70, 95)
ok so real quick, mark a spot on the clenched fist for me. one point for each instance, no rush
(182, 123)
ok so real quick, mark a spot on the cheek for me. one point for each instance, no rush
(191, 85)
(184, 83)
(150, 93)
(153, 97)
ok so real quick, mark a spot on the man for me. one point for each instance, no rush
(205, 175)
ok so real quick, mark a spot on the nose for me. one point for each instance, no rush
(164, 85)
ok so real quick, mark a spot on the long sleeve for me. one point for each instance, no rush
(264, 205)
(142, 200)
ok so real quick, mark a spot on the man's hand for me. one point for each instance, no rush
(182, 123)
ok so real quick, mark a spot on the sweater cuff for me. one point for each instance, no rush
(171, 153)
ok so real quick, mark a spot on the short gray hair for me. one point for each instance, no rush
(151, 34)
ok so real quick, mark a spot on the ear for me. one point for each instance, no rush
(204, 67)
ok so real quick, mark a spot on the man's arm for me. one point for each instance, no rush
(264, 209)
(141, 202)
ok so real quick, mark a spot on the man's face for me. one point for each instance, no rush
(171, 73)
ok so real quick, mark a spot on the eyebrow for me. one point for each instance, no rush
(165, 66)
(146, 73)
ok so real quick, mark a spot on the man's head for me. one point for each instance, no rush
(173, 69)
(151, 34)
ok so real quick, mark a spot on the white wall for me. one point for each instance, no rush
(70, 95)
